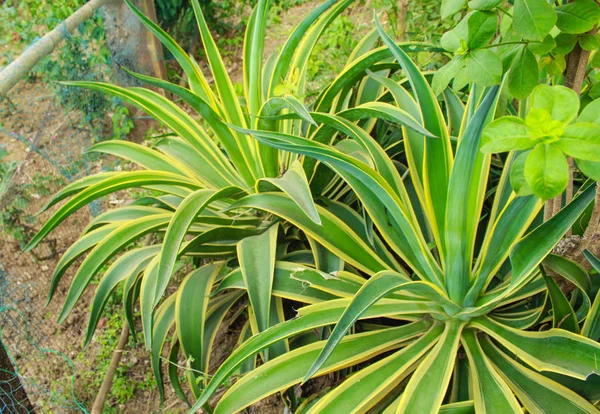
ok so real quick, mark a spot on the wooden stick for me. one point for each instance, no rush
(19, 68)
(110, 373)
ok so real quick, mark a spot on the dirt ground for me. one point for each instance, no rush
(37, 133)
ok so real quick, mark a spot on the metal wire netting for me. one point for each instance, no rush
(44, 130)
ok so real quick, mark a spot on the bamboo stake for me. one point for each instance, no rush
(17, 69)
(110, 373)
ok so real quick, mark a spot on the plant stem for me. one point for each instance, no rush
(18, 68)
(519, 42)
(594, 224)
(576, 67)
(110, 373)
(403, 8)
(569, 193)
(577, 62)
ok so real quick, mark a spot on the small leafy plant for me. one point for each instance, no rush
(546, 136)
(532, 42)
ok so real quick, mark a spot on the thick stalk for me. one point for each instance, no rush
(576, 65)
(594, 224)
(402, 10)
(43, 47)
(569, 191)
(577, 62)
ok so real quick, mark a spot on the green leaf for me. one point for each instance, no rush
(129, 264)
(183, 218)
(223, 83)
(256, 255)
(165, 316)
(577, 276)
(491, 393)
(450, 7)
(377, 287)
(382, 203)
(426, 388)
(556, 64)
(191, 312)
(172, 370)
(530, 250)
(523, 76)
(288, 369)
(446, 73)
(384, 111)
(559, 101)
(578, 16)
(590, 41)
(542, 127)
(468, 177)
(555, 350)
(484, 4)
(517, 175)
(508, 133)
(254, 44)
(484, 67)
(439, 150)
(594, 92)
(294, 44)
(565, 43)
(105, 250)
(537, 393)
(371, 384)
(196, 80)
(130, 212)
(544, 47)
(591, 113)
(563, 315)
(481, 29)
(451, 40)
(590, 169)
(536, 245)
(110, 184)
(533, 19)
(287, 284)
(581, 140)
(591, 326)
(570, 270)
(295, 184)
(78, 248)
(305, 322)
(334, 233)
(546, 171)
(209, 114)
(76, 187)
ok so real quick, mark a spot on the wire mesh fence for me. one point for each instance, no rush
(45, 129)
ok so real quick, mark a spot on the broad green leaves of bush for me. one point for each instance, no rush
(546, 137)
(530, 43)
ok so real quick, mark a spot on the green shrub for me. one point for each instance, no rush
(419, 276)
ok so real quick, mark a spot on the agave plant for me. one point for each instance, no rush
(197, 172)
(455, 310)
(194, 173)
